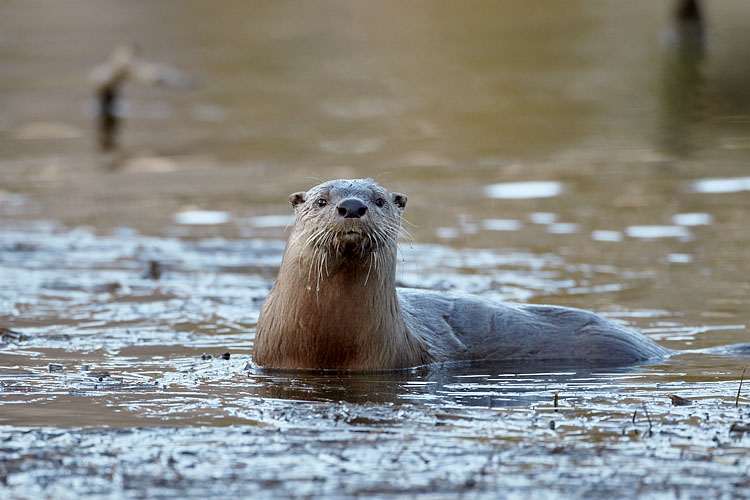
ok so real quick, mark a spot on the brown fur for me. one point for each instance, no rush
(334, 304)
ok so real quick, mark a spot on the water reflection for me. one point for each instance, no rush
(265, 221)
(680, 258)
(683, 99)
(563, 228)
(524, 190)
(202, 217)
(605, 235)
(721, 186)
(653, 232)
(501, 225)
(692, 219)
(543, 218)
(481, 384)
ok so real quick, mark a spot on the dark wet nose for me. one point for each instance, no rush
(352, 208)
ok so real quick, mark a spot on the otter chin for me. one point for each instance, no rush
(335, 304)
(352, 237)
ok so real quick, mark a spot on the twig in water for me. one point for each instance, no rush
(556, 401)
(484, 469)
(650, 432)
(108, 78)
(742, 377)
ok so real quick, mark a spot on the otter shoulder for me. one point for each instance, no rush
(461, 326)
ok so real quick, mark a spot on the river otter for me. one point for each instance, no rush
(335, 304)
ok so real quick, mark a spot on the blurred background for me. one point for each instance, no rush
(589, 153)
(629, 134)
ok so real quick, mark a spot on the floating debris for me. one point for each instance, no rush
(107, 287)
(678, 400)
(739, 427)
(208, 357)
(154, 270)
(7, 335)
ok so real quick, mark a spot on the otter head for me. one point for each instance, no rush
(348, 217)
(334, 304)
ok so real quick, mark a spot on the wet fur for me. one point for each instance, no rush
(335, 304)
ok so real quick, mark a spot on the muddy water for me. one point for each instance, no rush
(574, 154)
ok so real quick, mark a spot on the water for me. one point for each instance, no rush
(569, 153)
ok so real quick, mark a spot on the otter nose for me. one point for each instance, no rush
(352, 208)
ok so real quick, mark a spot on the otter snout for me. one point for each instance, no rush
(352, 208)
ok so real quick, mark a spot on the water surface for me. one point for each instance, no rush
(570, 153)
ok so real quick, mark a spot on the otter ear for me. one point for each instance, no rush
(297, 198)
(399, 199)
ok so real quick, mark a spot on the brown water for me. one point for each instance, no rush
(634, 154)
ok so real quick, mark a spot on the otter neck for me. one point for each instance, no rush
(337, 312)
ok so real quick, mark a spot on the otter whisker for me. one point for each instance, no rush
(329, 238)
(369, 267)
(404, 219)
(297, 238)
(313, 237)
(392, 226)
(377, 262)
(381, 176)
(383, 237)
(321, 261)
(312, 263)
(317, 286)
(405, 234)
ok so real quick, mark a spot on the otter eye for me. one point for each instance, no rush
(321, 202)
(380, 202)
